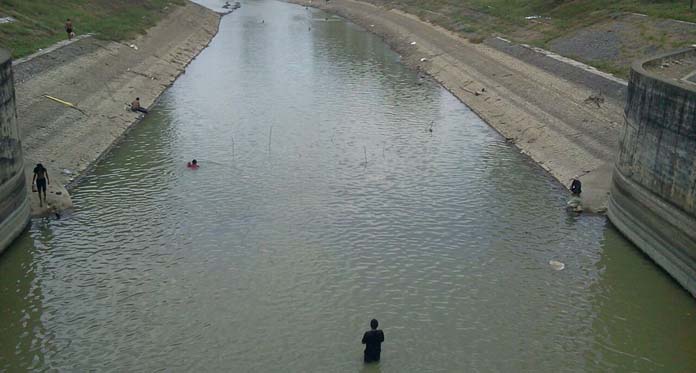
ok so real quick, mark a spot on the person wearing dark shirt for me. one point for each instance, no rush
(41, 179)
(372, 340)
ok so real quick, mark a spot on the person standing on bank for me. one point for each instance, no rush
(576, 187)
(69, 29)
(41, 180)
(372, 339)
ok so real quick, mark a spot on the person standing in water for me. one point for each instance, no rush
(41, 180)
(372, 339)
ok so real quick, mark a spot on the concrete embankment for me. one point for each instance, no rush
(653, 198)
(545, 115)
(100, 78)
(14, 205)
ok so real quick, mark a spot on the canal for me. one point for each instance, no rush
(322, 201)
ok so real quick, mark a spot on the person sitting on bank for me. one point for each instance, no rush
(193, 164)
(135, 106)
(372, 339)
(41, 180)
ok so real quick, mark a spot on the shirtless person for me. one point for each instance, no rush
(41, 180)
(135, 106)
(69, 28)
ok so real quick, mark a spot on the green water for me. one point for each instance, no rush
(323, 201)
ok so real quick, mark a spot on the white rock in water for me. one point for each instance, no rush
(574, 204)
(558, 266)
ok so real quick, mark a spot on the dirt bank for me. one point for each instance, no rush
(100, 77)
(544, 115)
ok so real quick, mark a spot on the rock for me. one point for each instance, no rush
(574, 204)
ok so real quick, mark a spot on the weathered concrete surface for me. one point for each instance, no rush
(653, 198)
(545, 115)
(14, 206)
(100, 77)
(577, 72)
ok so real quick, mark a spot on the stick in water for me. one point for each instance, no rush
(365, 152)
(270, 133)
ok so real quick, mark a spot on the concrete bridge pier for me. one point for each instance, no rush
(653, 195)
(14, 204)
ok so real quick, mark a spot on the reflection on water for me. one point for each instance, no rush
(322, 201)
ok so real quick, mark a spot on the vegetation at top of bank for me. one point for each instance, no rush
(541, 22)
(566, 11)
(576, 10)
(40, 23)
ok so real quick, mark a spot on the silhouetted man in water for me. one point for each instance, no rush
(373, 342)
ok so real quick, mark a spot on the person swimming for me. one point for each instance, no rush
(193, 164)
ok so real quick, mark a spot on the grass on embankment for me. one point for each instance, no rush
(40, 23)
(478, 19)
(571, 11)
(563, 12)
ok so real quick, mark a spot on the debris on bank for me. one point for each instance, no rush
(597, 100)
(230, 8)
(529, 18)
(66, 103)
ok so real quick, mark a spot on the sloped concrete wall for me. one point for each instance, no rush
(14, 205)
(653, 196)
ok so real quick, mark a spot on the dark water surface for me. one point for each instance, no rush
(276, 253)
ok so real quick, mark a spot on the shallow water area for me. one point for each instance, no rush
(323, 200)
